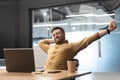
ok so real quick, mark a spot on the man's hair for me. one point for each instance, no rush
(57, 28)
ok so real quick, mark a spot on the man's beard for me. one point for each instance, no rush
(59, 41)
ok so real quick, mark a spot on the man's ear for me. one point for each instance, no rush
(64, 35)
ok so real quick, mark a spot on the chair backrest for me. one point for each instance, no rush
(77, 61)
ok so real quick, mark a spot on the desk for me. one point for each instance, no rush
(63, 75)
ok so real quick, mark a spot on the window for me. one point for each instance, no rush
(73, 18)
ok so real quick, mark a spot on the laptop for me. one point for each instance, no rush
(19, 59)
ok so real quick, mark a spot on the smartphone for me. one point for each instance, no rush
(54, 71)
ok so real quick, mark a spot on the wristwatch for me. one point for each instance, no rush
(108, 31)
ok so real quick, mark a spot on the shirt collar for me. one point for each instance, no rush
(66, 41)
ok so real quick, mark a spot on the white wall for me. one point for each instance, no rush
(40, 57)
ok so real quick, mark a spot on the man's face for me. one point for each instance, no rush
(58, 36)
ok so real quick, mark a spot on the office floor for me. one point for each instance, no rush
(100, 76)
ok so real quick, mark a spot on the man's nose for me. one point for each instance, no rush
(56, 36)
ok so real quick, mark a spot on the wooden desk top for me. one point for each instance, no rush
(63, 75)
(4, 75)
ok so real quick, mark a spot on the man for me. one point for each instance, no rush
(62, 51)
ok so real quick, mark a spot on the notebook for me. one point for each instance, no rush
(19, 59)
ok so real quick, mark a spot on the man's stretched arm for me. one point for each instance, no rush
(88, 40)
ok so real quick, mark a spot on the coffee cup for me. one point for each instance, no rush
(71, 65)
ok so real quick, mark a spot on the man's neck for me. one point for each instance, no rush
(62, 42)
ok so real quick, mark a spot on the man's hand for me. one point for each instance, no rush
(49, 41)
(112, 26)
